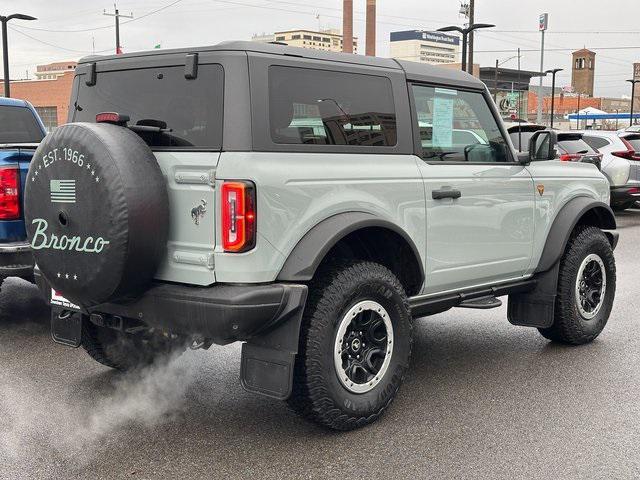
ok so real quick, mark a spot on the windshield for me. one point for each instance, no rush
(190, 108)
(19, 125)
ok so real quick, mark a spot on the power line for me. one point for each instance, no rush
(103, 27)
(55, 46)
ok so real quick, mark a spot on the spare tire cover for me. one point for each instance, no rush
(97, 214)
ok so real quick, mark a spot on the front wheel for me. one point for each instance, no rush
(586, 288)
(355, 346)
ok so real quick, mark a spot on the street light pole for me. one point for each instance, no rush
(5, 48)
(553, 90)
(633, 92)
(465, 34)
(495, 83)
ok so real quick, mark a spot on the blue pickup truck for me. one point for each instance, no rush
(21, 130)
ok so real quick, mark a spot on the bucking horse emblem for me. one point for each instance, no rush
(198, 212)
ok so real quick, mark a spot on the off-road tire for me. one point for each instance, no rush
(318, 393)
(569, 326)
(124, 351)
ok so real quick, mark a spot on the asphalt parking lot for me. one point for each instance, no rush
(484, 399)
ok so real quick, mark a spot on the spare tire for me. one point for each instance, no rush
(97, 212)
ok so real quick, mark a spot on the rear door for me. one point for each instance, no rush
(480, 202)
(160, 93)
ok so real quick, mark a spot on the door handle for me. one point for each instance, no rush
(445, 193)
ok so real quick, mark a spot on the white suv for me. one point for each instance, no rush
(620, 164)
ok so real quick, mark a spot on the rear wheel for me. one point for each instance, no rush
(586, 288)
(126, 351)
(355, 346)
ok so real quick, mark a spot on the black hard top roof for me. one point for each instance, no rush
(414, 71)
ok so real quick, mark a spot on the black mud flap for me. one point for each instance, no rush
(66, 327)
(268, 359)
(537, 307)
(267, 371)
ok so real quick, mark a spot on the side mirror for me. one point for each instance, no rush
(542, 145)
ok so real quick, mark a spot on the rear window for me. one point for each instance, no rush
(521, 140)
(596, 142)
(19, 125)
(320, 107)
(634, 140)
(191, 108)
(574, 144)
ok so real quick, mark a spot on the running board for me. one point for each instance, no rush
(482, 303)
(423, 305)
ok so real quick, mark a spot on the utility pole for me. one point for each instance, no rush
(543, 25)
(117, 16)
(472, 7)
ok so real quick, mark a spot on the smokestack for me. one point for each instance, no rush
(347, 26)
(371, 28)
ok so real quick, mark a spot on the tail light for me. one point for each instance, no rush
(238, 216)
(628, 154)
(9, 193)
(570, 157)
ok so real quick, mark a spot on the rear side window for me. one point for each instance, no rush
(18, 125)
(320, 107)
(596, 142)
(191, 108)
(574, 144)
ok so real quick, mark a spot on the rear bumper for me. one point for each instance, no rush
(625, 194)
(16, 260)
(222, 313)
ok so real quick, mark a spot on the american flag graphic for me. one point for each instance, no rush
(63, 191)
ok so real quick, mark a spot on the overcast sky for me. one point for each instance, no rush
(604, 26)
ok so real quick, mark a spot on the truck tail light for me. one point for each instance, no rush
(9, 193)
(238, 216)
(628, 154)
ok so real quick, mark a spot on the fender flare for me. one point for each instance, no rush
(564, 223)
(309, 252)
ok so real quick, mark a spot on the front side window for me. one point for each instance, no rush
(321, 107)
(457, 126)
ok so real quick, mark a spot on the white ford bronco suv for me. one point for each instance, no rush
(310, 205)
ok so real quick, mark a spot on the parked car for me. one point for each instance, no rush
(207, 211)
(631, 129)
(573, 148)
(620, 164)
(521, 132)
(21, 130)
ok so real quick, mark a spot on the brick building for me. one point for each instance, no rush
(583, 71)
(49, 96)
